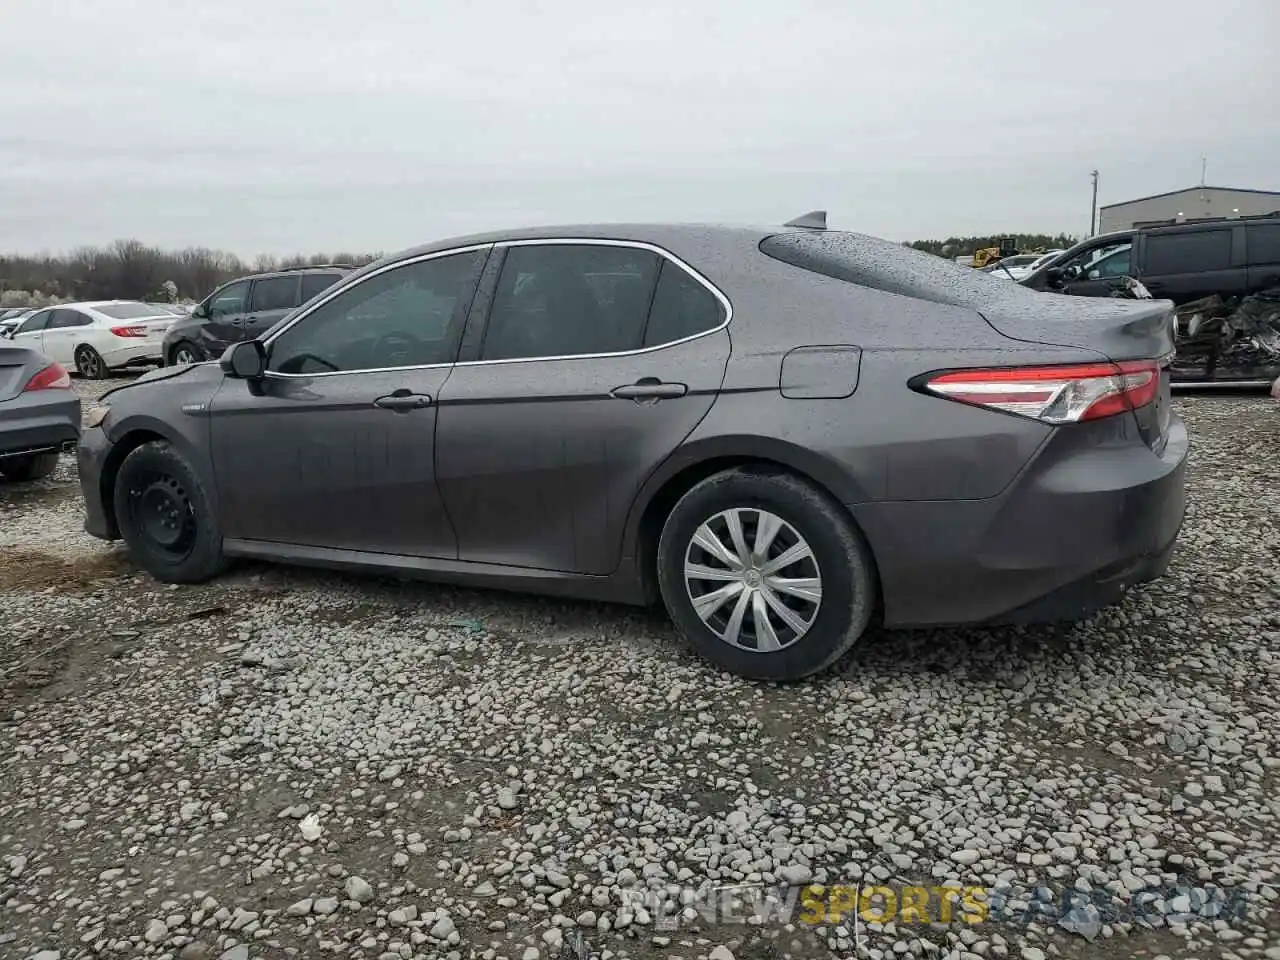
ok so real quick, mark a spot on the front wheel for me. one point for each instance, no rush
(31, 466)
(185, 353)
(765, 575)
(165, 516)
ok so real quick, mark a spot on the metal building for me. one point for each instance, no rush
(1195, 203)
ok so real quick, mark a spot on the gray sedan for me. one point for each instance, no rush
(778, 432)
(39, 413)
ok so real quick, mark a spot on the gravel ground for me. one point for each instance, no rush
(292, 763)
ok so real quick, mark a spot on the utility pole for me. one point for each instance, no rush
(1093, 210)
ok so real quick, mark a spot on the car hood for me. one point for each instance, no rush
(199, 380)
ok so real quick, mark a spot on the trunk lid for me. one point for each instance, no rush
(1118, 329)
(16, 368)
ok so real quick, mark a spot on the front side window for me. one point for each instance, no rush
(1195, 252)
(406, 317)
(682, 307)
(229, 300)
(35, 322)
(563, 300)
(274, 293)
(1115, 264)
(1263, 243)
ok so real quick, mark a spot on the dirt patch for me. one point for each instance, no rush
(35, 570)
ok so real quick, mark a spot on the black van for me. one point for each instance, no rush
(1186, 262)
(244, 309)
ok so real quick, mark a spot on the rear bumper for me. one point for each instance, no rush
(39, 421)
(123, 356)
(1095, 512)
(91, 457)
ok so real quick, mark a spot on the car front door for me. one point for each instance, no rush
(269, 300)
(62, 334)
(30, 333)
(335, 446)
(1097, 272)
(593, 362)
(223, 318)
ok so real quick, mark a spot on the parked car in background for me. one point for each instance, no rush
(177, 309)
(564, 410)
(1234, 259)
(96, 337)
(39, 413)
(243, 309)
(11, 318)
(1010, 267)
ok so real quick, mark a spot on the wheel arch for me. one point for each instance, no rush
(694, 463)
(129, 436)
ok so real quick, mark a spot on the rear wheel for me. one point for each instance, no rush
(765, 575)
(164, 516)
(90, 364)
(30, 466)
(185, 353)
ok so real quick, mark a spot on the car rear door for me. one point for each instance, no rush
(335, 447)
(30, 332)
(269, 300)
(586, 364)
(1183, 264)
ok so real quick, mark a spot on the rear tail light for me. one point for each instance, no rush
(1062, 394)
(52, 377)
(129, 331)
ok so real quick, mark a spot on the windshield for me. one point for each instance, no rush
(131, 311)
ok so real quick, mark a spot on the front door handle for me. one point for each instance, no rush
(649, 389)
(403, 401)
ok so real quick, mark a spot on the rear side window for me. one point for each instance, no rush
(314, 284)
(69, 318)
(564, 300)
(682, 307)
(1195, 252)
(274, 293)
(891, 267)
(1263, 241)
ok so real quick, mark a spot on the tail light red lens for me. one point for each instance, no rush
(52, 377)
(129, 331)
(1059, 394)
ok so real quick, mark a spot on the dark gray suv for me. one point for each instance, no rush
(244, 309)
(777, 431)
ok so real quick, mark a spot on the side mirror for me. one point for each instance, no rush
(200, 312)
(246, 360)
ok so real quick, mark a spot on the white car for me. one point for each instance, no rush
(93, 338)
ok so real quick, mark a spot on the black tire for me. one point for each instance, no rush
(89, 363)
(196, 355)
(843, 562)
(165, 518)
(31, 466)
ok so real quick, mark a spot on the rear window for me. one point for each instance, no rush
(1263, 241)
(314, 284)
(891, 267)
(1195, 252)
(130, 311)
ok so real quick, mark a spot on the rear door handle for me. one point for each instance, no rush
(403, 401)
(649, 388)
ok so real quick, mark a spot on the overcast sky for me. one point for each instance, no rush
(304, 125)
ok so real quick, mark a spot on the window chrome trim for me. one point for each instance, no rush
(505, 244)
